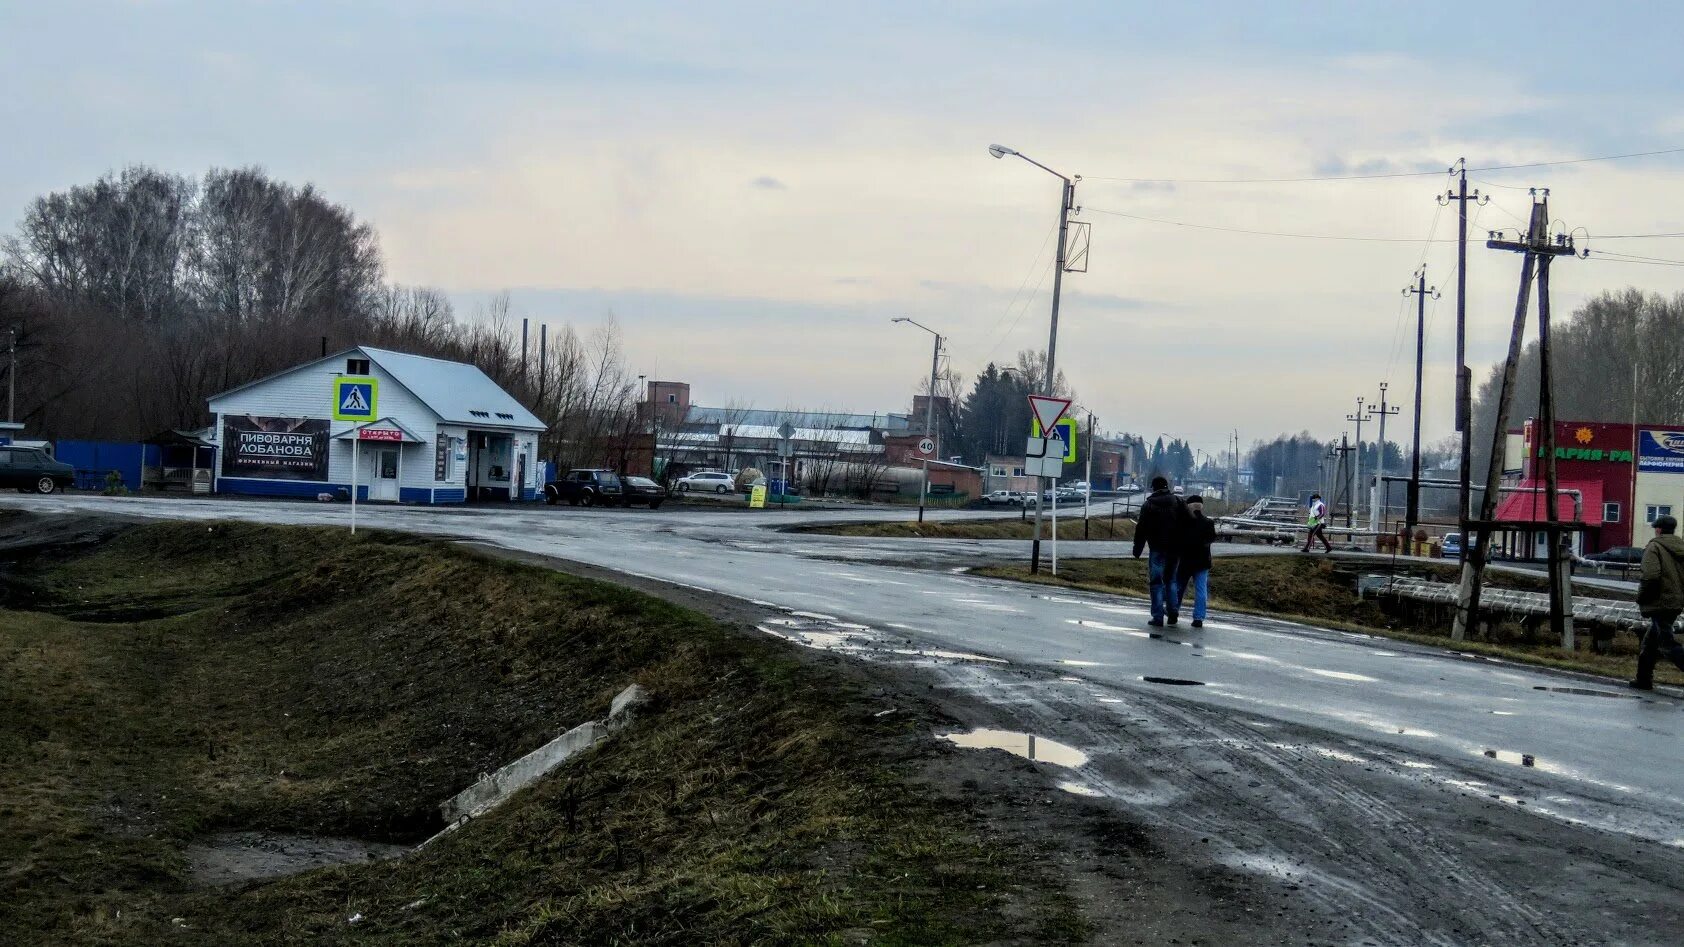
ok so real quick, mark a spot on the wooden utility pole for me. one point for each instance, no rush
(1538, 249)
(1377, 516)
(1464, 377)
(1412, 508)
(1356, 471)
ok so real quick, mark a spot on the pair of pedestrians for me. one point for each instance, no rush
(1177, 536)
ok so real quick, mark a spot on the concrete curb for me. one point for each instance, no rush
(495, 788)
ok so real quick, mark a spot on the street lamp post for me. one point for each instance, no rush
(1066, 200)
(929, 411)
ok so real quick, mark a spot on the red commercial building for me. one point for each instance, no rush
(1597, 475)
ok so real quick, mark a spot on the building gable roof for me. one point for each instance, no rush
(457, 392)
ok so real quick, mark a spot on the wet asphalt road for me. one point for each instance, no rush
(1416, 795)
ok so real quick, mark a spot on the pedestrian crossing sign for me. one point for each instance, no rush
(355, 398)
(1064, 432)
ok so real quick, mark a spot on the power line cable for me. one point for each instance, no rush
(1386, 174)
(1259, 233)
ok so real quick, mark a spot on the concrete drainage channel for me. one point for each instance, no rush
(233, 857)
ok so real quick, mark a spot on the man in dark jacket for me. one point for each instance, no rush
(1158, 528)
(1197, 535)
(1660, 598)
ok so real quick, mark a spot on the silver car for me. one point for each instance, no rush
(707, 481)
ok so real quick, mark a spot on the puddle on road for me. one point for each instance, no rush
(1342, 675)
(1027, 745)
(1584, 692)
(949, 655)
(1080, 789)
(1180, 682)
(1102, 626)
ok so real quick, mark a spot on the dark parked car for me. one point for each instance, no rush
(585, 487)
(29, 468)
(641, 491)
(1619, 556)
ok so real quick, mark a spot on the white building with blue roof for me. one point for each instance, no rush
(436, 432)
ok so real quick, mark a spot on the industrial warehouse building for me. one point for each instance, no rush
(438, 432)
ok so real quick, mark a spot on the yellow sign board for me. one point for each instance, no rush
(757, 496)
(1065, 430)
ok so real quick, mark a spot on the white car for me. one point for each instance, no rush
(1002, 498)
(707, 481)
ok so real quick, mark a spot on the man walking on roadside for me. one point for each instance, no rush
(1660, 598)
(1158, 528)
(1318, 524)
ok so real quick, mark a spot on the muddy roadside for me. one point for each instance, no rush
(1033, 863)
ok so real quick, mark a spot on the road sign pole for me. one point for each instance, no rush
(1055, 528)
(354, 443)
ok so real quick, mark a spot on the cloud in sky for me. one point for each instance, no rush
(596, 161)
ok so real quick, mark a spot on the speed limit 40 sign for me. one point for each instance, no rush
(926, 447)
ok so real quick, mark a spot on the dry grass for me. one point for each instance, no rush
(184, 680)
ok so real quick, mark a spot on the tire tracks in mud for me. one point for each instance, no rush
(1375, 853)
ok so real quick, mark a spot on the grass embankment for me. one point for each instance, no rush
(184, 679)
(1013, 528)
(1322, 592)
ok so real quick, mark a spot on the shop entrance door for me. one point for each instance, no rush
(385, 486)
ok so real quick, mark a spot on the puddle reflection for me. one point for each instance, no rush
(1027, 745)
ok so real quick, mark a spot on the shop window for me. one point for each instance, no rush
(1653, 512)
(1610, 512)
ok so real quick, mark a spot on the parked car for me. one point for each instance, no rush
(1619, 556)
(585, 487)
(1452, 546)
(1002, 498)
(641, 491)
(707, 481)
(29, 468)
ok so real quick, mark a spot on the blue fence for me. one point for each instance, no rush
(94, 459)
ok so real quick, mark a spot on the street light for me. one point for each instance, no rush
(1067, 197)
(929, 410)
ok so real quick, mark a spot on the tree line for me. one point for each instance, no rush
(137, 296)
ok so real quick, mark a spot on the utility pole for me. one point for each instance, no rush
(1412, 509)
(1356, 470)
(1377, 515)
(930, 424)
(1087, 495)
(1539, 249)
(1344, 450)
(1464, 376)
(12, 376)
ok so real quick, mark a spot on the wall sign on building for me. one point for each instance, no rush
(441, 459)
(274, 448)
(1660, 452)
(379, 434)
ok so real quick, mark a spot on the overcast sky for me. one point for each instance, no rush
(754, 190)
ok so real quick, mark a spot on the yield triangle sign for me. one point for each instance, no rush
(1048, 410)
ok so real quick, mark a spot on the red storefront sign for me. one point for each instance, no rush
(378, 434)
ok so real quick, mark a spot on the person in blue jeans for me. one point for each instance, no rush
(1158, 530)
(1193, 569)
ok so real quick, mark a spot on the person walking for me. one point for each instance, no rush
(1193, 569)
(1318, 524)
(1158, 529)
(1660, 598)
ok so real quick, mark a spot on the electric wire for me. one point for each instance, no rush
(1034, 266)
(1258, 233)
(1386, 174)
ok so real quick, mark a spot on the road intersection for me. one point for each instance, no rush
(1419, 795)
